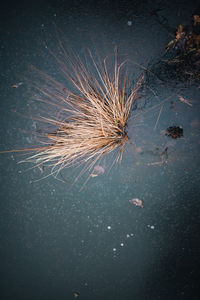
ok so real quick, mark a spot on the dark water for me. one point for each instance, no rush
(56, 241)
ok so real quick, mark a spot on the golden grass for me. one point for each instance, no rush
(93, 121)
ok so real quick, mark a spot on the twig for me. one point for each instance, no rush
(158, 117)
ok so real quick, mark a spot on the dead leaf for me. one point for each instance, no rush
(196, 19)
(197, 40)
(179, 32)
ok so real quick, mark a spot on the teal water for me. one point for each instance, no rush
(57, 241)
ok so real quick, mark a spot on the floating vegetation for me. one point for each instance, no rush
(181, 60)
(186, 50)
(90, 121)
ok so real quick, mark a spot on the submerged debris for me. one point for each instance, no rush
(76, 294)
(16, 85)
(98, 170)
(174, 132)
(136, 202)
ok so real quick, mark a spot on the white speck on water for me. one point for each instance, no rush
(114, 249)
(53, 191)
(151, 226)
(129, 23)
(109, 227)
(122, 244)
(128, 236)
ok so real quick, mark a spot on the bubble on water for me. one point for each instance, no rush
(151, 226)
